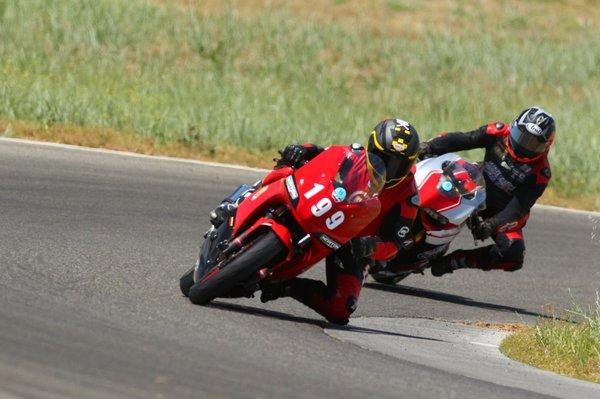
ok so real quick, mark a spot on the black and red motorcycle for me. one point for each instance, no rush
(451, 192)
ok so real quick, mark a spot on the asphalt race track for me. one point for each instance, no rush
(92, 245)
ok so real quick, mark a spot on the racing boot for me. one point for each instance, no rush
(379, 273)
(272, 291)
(462, 259)
(222, 213)
(449, 263)
(442, 266)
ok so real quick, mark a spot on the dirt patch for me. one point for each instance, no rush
(504, 327)
(123, 140)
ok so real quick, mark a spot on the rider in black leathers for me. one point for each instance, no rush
(516, 172)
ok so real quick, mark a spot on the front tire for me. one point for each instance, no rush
(186, 282)
(262, 251)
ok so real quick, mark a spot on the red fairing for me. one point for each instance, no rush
(356, 215)
(330, 218)
(282, 231)
(430, 197)
(277, 174)
(255, 206)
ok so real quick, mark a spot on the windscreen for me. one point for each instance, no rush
(361, 176)
(460, 179)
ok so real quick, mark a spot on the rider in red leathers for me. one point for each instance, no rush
(516, 172)
(396, 142)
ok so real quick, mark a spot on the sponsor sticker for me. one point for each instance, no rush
(291, 187)
(403, 232)
(447, 186)
(339, 194)
(330, 243)
(534, 129)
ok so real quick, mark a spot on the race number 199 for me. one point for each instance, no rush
(323, 206)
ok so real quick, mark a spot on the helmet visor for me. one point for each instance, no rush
(396, 168)
(526, 143)
(376, 169)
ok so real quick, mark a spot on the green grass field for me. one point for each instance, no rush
(566, 348)
(257, 75)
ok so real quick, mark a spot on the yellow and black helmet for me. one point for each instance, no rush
(396, 142)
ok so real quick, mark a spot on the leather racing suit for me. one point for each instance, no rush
(512, 188)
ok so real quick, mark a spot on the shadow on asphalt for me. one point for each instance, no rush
(234, 307)
(319, 323)
(457, 299)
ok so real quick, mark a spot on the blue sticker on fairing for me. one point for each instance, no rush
(447, 186)
(339, 194)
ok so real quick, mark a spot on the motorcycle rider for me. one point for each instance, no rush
(516, 171)
(396, 142)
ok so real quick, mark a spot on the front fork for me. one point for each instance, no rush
(216, 239)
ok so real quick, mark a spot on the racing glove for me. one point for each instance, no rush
(482, 229)
(425, 151)
(292, 155)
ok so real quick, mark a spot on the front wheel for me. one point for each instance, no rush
(262, 251)
(186, 281)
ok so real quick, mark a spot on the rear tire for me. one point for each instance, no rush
(186, 281)
(261, 252)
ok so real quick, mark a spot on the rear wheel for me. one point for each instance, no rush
(250, 260)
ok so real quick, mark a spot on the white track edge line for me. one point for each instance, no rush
(131, 154)
(209, 163)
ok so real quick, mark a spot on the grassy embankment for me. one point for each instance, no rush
(233, 81)
(571, 349)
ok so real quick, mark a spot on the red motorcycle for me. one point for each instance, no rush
(287, 223)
